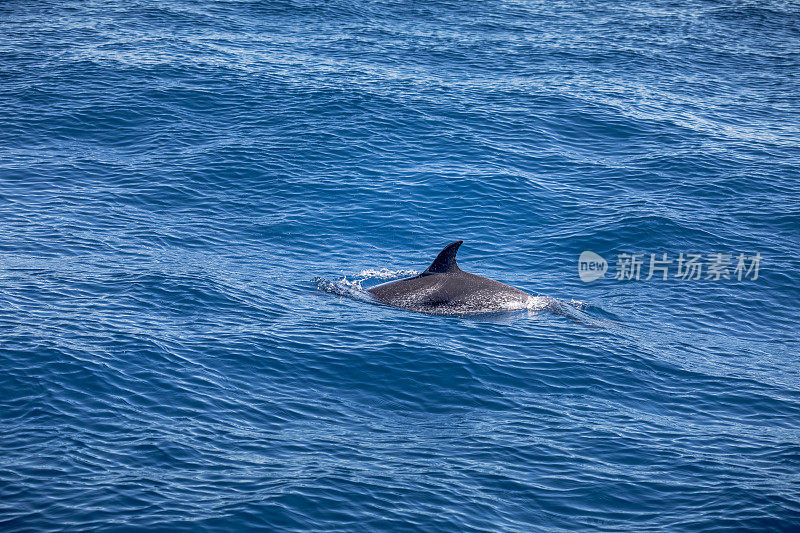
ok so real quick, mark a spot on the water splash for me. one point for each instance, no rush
(385, 273)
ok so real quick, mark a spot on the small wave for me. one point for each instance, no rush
(575, 310)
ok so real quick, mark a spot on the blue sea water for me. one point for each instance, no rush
(190, 190)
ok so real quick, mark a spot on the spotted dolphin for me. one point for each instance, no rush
(443, 288)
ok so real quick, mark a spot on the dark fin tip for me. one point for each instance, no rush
(446, 260)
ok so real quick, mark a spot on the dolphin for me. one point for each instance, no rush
(445, 289)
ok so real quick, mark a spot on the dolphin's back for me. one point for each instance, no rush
(463, 291)
(445, 288)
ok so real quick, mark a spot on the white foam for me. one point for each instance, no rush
(385, 273)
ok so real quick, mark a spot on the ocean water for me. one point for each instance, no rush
(194, 195)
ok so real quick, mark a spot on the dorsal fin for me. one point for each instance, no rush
(446, 260)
